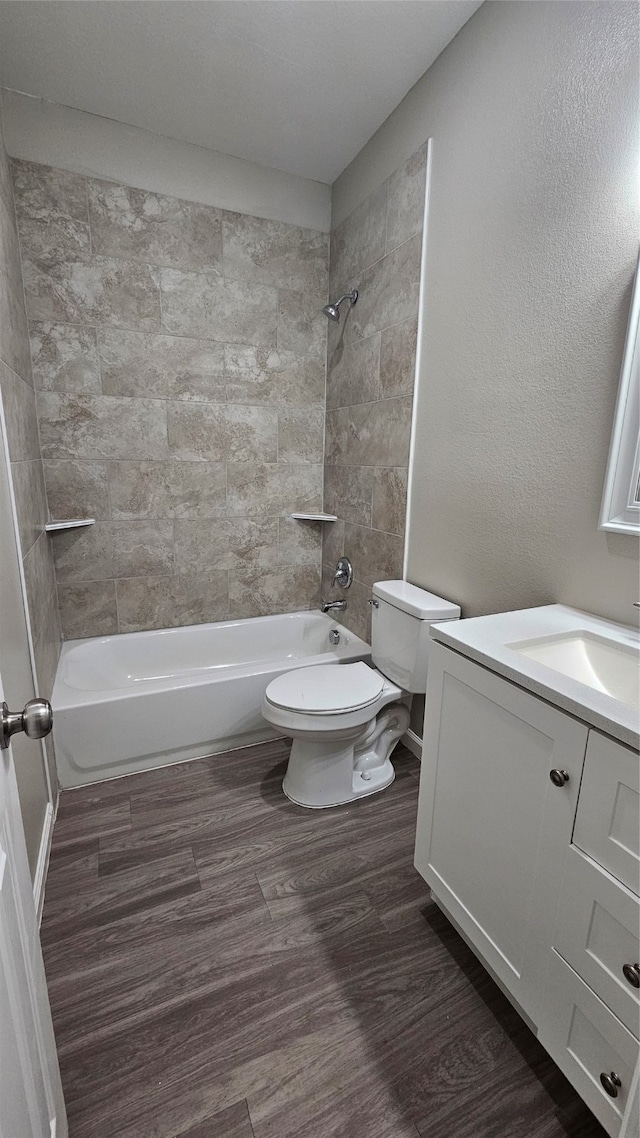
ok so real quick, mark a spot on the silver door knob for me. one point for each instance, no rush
(611, 1083)
(558, 778)
(36, 720)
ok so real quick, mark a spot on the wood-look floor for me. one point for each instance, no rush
(223, 964)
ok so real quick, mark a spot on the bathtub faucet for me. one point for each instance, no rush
(333, 606)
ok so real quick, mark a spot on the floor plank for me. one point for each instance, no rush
(224, 964)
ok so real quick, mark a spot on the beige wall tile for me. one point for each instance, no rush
(301, 434)
(39, 579)
(348, 492)
(200, 304)
(57, 239)
(232, 543)
(102, 291)
(371, 434)
(64, 357)
(333, 542)
(273, 489)
(19, 403)
(217, 432)
(142, 364)
(114, 549)
(302, 326)
(256, 592)
(88, 610)
(14, 337)
(389, 499)
(357, 615)
(405, 199)
(31, 501)
(375, 556)
(168, 489)
(388, 291)
(101, 426)
(299, 543)
(44, 192)
(9, 245)
(268, 375)
(169, 602)
(143, 226)
(77, 489)
(353, 372)
(398, 359)
(270, 252)
(359, 240)
(46, 648)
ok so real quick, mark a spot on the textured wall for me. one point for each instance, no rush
(179, 353)
(370, 379)
(533, 223)
(19, 402)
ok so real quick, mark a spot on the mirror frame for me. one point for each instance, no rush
(620, 512)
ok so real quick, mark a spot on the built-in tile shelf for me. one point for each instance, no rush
(75, 523)
(315, 517)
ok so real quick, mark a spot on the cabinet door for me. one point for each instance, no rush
(493, 830)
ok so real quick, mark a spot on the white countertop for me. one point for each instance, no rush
(485, 639)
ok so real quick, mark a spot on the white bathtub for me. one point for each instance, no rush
(146, 699)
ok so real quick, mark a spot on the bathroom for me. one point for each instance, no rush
(188, 950)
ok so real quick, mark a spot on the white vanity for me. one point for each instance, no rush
(528, 829)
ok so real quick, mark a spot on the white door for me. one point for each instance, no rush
(31, 1103)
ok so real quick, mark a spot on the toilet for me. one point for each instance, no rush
(345, 719)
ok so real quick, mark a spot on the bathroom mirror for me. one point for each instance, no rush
(621, 499)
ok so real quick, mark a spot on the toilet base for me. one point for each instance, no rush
(333, 773)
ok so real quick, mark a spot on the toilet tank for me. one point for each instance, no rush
(401, 616)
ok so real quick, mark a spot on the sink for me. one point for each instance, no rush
(598, 661)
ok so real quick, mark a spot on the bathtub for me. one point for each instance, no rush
(146, 699)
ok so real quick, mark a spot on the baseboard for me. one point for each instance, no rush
(413, 743)
(40, 875)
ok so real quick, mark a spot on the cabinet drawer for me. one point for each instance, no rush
(586, 1040)
(597, 933)
(608, 818)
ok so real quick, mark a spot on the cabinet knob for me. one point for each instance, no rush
(631, 973)
(558, 778)
(611, 1083)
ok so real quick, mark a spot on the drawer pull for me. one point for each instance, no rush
(611, 1083)
(558, 778)
(632, 974)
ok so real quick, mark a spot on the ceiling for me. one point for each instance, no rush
(298, 85)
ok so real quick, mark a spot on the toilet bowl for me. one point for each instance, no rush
(345, 719)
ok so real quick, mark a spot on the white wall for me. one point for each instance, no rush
(533, 236)
(38, 131)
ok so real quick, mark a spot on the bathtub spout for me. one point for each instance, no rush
(333, 606)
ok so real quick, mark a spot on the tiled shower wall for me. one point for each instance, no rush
(370, 378)
(19, 401)
(179, 356)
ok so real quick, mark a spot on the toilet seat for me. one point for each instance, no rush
(326, 689)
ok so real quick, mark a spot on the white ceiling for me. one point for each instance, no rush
(298, 85)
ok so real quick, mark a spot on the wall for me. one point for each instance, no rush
(19, 405)
(533, 223)
(179, 353)
(52, 135)
(370, 379)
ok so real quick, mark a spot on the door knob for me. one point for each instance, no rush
(632, 974)
(558, 778)
(36, 720)
(611, 1083)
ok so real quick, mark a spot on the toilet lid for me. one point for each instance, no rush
(330, 687)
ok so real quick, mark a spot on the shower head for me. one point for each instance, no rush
(332, 311)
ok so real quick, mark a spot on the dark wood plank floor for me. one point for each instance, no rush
(223, 964)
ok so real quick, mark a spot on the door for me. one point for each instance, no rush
(31, 1103)
(492, 826)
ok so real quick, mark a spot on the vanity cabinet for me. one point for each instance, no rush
(527, 835)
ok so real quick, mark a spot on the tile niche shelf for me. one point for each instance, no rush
(315, 517)
(74, 523)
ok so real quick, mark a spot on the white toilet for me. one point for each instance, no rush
(345, 719)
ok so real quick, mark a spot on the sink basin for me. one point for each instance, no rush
(602, 663)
